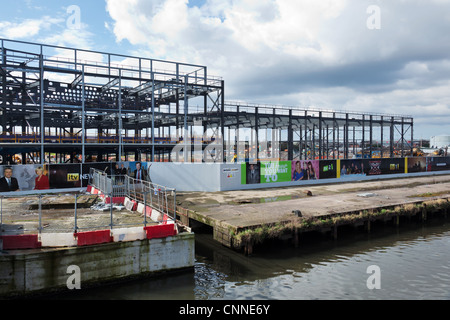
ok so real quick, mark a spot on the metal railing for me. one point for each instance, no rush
(67, 211)
(157, 197)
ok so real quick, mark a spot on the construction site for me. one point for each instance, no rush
(66, 105)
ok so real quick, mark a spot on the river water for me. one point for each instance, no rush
(413, 263)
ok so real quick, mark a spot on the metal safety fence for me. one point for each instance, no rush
(71, 211)
(159, 198)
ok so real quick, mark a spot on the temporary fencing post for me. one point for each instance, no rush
(145, 208)
(40, 214)
(174, 205)
(111, 208)
(75, 213)
(166, 205)
(152, 188)
(1, 214)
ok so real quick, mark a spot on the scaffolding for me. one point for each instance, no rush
(63, 104)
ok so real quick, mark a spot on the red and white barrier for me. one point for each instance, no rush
(93, 237)
(116, 200)
(160, 231)
(128, 234)
(23, 241)
(131, 205)
(56, 240)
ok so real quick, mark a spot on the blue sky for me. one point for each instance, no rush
(330, 54)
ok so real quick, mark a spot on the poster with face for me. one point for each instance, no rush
(253, 173)
(28, 177)
(352, 167)
(305, 170)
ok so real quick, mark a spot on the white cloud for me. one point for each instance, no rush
(27, 28)
(77, 38)
(297, 52)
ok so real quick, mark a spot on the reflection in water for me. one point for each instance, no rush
(414, 262)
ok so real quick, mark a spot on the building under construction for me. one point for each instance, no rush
(70, 105)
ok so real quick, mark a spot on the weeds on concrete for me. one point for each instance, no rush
(262, 233)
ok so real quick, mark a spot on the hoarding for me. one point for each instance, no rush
(327, 169)
(438, 163)
(383, 166)
(275, 171)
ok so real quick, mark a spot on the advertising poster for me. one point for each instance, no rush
(275, 171)
(305, 170)
(24, 178)
(252, 173)
(417, 164)
(63, 176)
(383, 166)
(438, 163)
(393, 166)
(327, 169)
(138, 170)
(352, 167)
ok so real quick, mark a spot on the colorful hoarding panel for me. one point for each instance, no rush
(373, 167)
(305, 170)
(352, 167)
(64, 176)
(438, 163)
(23, 178)
(417, 164)
(275, 171)
(327, 169)
(252, 173)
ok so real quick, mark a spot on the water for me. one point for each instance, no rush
(414, 262)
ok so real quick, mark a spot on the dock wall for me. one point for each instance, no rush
(40, 271)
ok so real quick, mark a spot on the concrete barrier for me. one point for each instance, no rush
(156, 216)
(128, 234)
(160, 231)
(93, 237)
(140, 208)
(23, 241)
(131, 205)
(116, 200)
(148, 211)
(55, 240)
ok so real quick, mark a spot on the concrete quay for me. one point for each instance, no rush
(43, 271)
(235, 215)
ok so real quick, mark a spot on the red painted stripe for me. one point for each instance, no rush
(25, 241)
(93, 237)
(160, 231)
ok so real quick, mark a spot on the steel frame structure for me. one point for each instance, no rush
(70, 101)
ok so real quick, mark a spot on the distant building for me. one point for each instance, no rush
(440, 141)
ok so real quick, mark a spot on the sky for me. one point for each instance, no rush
(379, 56)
